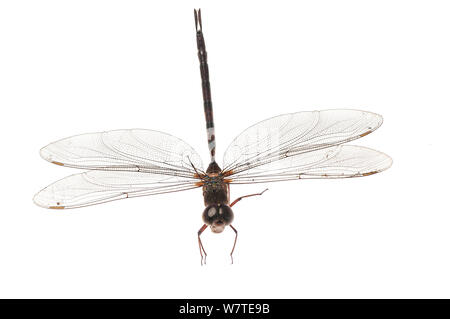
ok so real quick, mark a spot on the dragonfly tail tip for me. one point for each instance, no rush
(198, 19)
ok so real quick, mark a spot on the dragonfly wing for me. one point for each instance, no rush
(125, 150)
(296, 133)
(339, 161)
(95, 187)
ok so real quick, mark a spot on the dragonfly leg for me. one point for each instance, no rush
(239, 198)
(234, 245)
(200, 245)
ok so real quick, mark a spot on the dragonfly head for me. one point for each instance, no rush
(217, 217)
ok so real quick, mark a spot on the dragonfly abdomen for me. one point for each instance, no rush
(206, 86)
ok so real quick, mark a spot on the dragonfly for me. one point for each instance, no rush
(122, 164)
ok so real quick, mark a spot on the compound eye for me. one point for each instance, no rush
(212, 211)
(226, 214)
(210, 214)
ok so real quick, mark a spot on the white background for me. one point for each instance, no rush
(70, 67)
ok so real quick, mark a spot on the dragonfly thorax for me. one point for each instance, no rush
(215, 190)
(217, 217)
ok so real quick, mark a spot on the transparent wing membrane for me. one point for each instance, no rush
(125, 150)
(124, 163)
(131, 163)
(340, 161)
(305, 145)
(95, 187)
(296, 133)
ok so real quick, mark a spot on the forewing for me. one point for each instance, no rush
(95, 187)
(339, 161)
(126, 150)
(296, 133)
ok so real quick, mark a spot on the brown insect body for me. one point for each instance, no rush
(136, 162)
(216, 194)
(215, 190)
